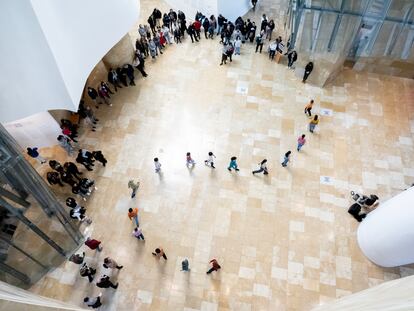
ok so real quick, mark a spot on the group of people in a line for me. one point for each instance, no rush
(89, 272)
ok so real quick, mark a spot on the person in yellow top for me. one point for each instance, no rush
(133, 215)
(313, 123)
(308, 108)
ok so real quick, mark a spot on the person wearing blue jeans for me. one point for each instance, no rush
(233, 164)
(286, 159)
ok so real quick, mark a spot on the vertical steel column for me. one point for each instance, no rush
(17, 274)
(336, 27)
(393, 41)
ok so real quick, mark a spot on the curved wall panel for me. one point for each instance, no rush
(386, 236)
(50, 47)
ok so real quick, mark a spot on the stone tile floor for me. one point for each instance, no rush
(285, 241)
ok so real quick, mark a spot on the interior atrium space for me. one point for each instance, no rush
(215, 155)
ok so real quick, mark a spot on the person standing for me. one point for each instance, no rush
(93, 303)
(110, 263)
(93, 94)
(35, 155)
(210, 160)
(269, 29)
(308, 70)
(98, 156)
(139, 63)
(185, 265)
(272, 50)
(301, 142)
(224, 54)
(159, 252)
(64, 142)
(133, 215)
(237, 46)
(262, 168)
(259, 41)
(292, 57)
(214, 266)
(308, 108)
(254, 3)
(233, 164)
(128, 70)
(88, 272)
(138, 233)
(93, 244)
(114, 79)
(190, 161)
(134, 186)
(286, 158)
(157, 165)
(313, 123)
(105, 282)
(220, 22)
(206, 26)
(77, 259)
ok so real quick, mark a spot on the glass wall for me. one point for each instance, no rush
(36, 232)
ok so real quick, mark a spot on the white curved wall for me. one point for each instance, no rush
(48, 49)
(233, 9)
(386, 236)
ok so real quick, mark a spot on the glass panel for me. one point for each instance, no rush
(346, 32)
(399, 8)
(327, 25)
(357, 6)
(382, 39)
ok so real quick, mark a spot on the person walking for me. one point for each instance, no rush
(313, 123)
(93, 303)
(190, 161)
(157, 165)
(138, 234)
(90, 118)
(134, 186)
(254, 3)
(286, 158)
(262, 168)
(110, 263)
(210, 160)
(292, 57)
(105, 282)
(214, 266)
(301, 142)
(233, 164)
(88, 272)
(308, 108)
(93, 244)
(133, 215)
(308, 70)
(34, 153)
(159, 252)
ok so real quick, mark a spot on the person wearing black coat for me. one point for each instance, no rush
(157, 16)
(191, 32)
(98, 156)
(72, 169)
(129, 72)
(220, 22)
(93, 94)
(105, 282)
(292, 57)
(114, 79)
(85, 161)
(53, 178)
(67, 178)
(166, 20)
(55, 165)
(206, 25)
(122, 76)
(139, 63)
(151, 22)
(308, 70)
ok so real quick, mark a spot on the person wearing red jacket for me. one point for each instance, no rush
(93, 244)
(197, 28)
(214, 266)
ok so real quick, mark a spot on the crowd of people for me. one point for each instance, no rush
(162, 30)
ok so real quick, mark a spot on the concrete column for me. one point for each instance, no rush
(386, 236)
(121, 53)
